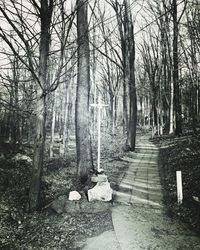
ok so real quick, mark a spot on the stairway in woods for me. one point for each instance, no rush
(138, 215)
(141, 183)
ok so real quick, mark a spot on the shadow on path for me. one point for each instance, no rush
(138, 215)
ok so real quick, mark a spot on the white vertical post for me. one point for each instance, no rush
(99, 134)
(95, 99)
(179, 187)
(99, 106)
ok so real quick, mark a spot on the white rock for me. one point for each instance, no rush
(20, 157)
(74, 196)
(100, 171)
(101, 192)
(196, 199)
(99, 178)
(1, 155)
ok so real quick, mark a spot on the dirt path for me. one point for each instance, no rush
(138, 215)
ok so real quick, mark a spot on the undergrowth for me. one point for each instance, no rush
(181, 154)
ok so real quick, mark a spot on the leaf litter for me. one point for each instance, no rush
(46, 229)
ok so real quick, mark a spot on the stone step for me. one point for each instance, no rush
(150, 182)
(148, 192)
(128, 198)
(122, 197)
(145, 186)
(139, 201)
(140, 161)
(140, 189)
(146, 150)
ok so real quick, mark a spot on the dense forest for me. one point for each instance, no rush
(139, 59)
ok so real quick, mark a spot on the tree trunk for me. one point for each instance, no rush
(82, 94)
(38, 154)
(53, 125)
(125, 109)
(64, 146)
(171, 107)
(132, 87)
(15, 115)
(45, 17)
(177, 102)
(133, 113)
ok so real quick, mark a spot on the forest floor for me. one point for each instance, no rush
(181, 154)
(47, 229)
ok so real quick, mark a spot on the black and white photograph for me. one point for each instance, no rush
(99, 124)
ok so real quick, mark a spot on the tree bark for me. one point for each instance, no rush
(132, 90)
(53, 125)
(177, 101)
(45, 16)
(125, 26)
(82, 94)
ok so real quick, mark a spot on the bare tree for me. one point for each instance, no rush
(33, 37)
(126, 34)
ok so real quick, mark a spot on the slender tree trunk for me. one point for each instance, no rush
(133, 113)
(10, 123)
(15, 115)
(53, 124)
(125, 26)
(177, 101)
(171, 108)
(153, 124)
(113, 116)
(197, 101)
(160, 105)
(149, 109)
(110, 90)
(158, 120)
(116, 111)
(45, 17)
(132, 87)
(29, 132)
(64, 146)
(125, 109)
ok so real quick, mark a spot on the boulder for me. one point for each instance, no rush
(20, 157)
(63, 205)
(74, 196)
(101, 192)
(94, 207)
(59, 204)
